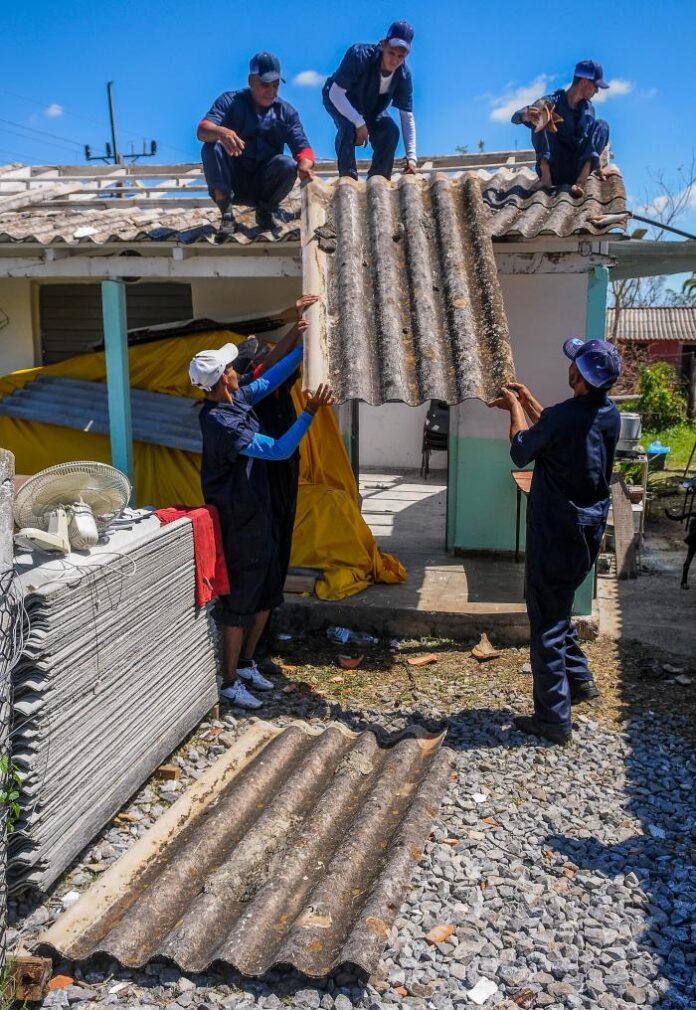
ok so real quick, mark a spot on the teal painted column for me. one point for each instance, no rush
(595, 329)
(117, 376)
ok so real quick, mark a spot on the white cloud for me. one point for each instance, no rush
(617, 87)
(53, 111)
(309, 79)
(503, 106)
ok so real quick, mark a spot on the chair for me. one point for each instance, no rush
(435, 433)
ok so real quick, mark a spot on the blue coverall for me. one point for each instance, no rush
(234, 478)
(580, 138)
(262, 175)
(359, 75)
(572, 446)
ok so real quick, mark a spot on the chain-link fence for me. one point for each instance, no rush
(8, 645)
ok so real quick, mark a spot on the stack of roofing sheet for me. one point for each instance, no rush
(118, 667)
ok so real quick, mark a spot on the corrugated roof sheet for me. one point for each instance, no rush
(295, 848)
(655, 323)
(411, 307)
(96, 707)
(96, 217)
(519, 208)
(157, 418)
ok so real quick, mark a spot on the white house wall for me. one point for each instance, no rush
(230, 298)
(17, 336)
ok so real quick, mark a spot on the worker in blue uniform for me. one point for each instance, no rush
(370, 78)
(234, 478)
(244, 136)
(572, 445)
(569, 155)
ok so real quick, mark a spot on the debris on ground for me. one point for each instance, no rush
(483, 650)
(422, 660)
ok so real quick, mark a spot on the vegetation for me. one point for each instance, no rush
(662, 403)
(9, 790)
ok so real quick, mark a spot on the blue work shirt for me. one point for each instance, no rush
(576, 122)
(359, 75)
(266, 133)
(227, 477)
(572, 446)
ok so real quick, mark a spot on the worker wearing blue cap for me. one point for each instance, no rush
(372, 77)
(572, 446)
(244, 135)
(569, 148)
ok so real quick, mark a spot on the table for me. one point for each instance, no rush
(523, 482)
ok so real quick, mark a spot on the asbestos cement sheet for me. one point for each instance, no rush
(410, 303)
(295, 848)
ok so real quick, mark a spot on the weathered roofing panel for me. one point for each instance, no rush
(519, 208)
(411, 307)
(75, 213)
(158, 418)
(294, 848)
(654, 323)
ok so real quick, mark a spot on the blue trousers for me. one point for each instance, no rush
(257, 184)
(567, 158)
(384, 138)
(559, 558)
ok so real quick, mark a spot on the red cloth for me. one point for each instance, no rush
(208, 554)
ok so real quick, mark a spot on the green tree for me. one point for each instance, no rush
(662, 402)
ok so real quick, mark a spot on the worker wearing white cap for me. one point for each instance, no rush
(234, 479)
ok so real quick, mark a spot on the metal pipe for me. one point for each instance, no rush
(663, 227)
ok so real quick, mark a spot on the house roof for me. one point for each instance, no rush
(654, 324)
(295, 848)
(410, 303)
(136, 204)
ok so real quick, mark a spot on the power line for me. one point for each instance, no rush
(65, 141)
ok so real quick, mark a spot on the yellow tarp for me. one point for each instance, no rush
(330, 532)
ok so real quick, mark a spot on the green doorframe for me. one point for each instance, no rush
(117, 376)
(595, 329)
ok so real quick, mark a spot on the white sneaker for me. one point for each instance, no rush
(237, 694)
(253, 676)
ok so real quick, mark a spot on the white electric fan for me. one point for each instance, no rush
(68, 506)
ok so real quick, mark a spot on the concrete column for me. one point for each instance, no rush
(117, 376)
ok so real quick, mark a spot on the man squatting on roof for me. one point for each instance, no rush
(357, 96)
(567, 156)
(244, 135)
(572, 445)
(234, 478)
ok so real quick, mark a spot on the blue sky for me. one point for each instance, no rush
(471, 64)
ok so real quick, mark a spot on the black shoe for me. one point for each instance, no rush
(584, 692)
(265, 220)
(528, 724)
(226, 226)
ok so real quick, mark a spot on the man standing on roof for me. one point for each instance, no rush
(370, 78)
(234, 479)
(572, 445)
(244, 135)
(571, 147)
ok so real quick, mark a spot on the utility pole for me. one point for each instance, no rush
(112, 153)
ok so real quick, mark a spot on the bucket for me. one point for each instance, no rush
(630, 433)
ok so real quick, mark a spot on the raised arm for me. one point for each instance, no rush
(275, 376)
(291, 338)
(264, 447)
(530, 404)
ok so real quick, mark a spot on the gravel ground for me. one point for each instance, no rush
(567, 874)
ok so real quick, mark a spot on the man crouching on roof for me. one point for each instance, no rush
(234, 479)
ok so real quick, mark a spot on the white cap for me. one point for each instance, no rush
(207, 366)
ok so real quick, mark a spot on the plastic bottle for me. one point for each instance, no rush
(346, 636)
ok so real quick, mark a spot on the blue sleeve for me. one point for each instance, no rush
(517, 116)
(351, 68)
(403, 93)
(221, 109)
(296, 138)
(263, 447)
(529, 444)
(274, 377)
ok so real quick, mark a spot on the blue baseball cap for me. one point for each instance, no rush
(598, 361)
(266, 66)
(400, 35)
(592, 71)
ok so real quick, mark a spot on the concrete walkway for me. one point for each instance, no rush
(443, 594)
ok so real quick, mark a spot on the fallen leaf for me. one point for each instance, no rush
(401, 989)
(548, 854)
(483, 650)
(215, 731)
(525, 998)
(60, 982)
(490, 820)
(127, 818)
(350, 662)
(288, 668)
(336, 680)
(450, 841)
(438, 934)
(422, 660)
